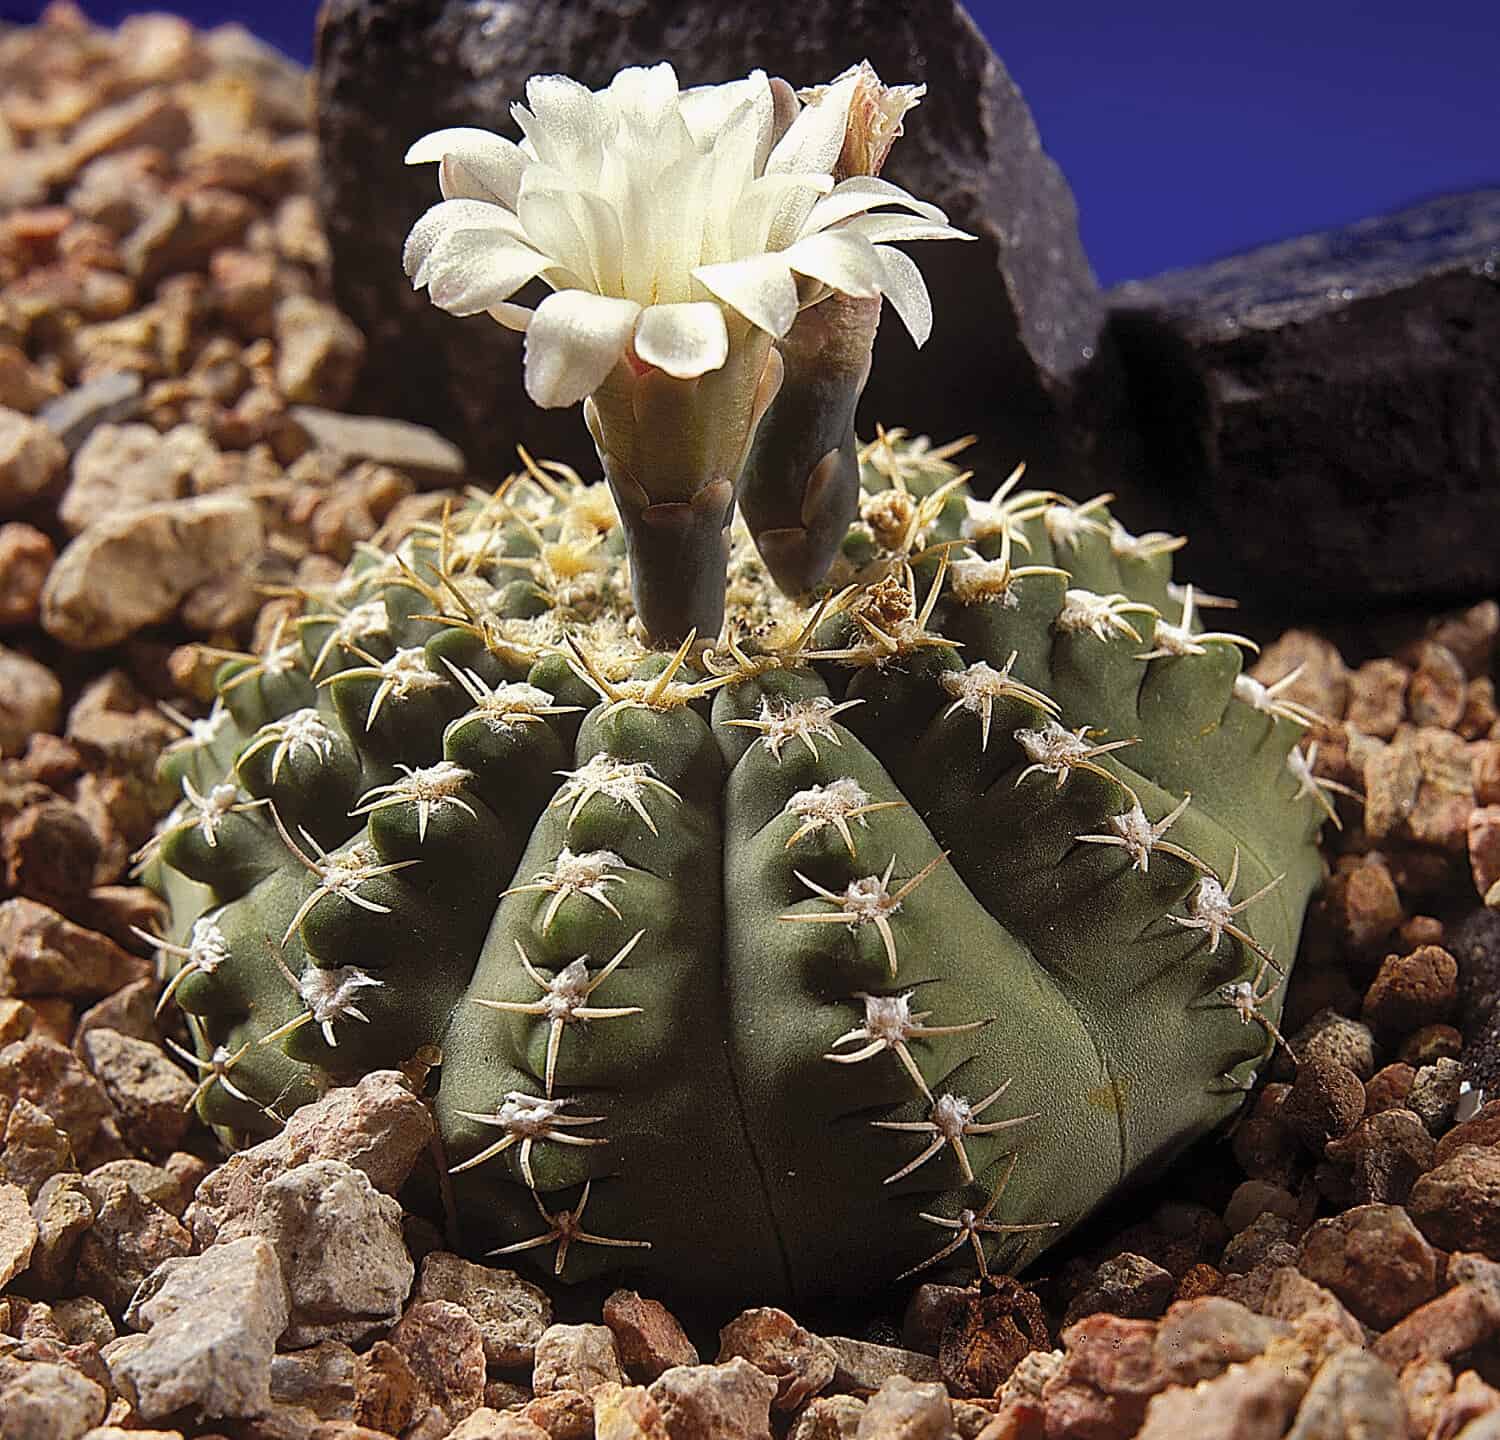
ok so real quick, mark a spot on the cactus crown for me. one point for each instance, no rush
(894, 932)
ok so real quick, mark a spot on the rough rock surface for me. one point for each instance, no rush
(1351, 373)
(212, 1323)
(1017, 352)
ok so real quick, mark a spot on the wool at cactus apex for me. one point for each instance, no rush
(1186, 131)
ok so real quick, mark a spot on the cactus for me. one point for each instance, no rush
(890, 936)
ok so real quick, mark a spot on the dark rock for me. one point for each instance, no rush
(1017, 352)
(112, 399)
(1475, 945)
(1351, 375)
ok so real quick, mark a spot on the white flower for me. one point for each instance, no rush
(648, 211)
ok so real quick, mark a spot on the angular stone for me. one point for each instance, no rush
(1374, 1259)
(31, 460)
(905, 1409)
(575, 1357)
(1198, 1339)
(1457, 1204)
(511, 1312)
(318, 351)
(339, 1241)
(1398, 317)
(30, 700)
(378, 1126)
(212, 1322)
(1352, 1394)
(1456, 1321)
(48, 1402)
(445, 1353)
(731, 1400)
(1107, 1377)
(385, 1390)
(320, 1378)
(829, 1417)
(150, 1094)
(487, 1424)
(799, 1362)
(647, 1335)
(1253, 1401)
(49, 1075)
(18, 1233)
(110, 398)
(129, 1239)
(1018, 312)
(134, 569)
(1126, 1284)
(44, 953)
(26, 555)
(417, 450)
(861, 1365)
(127, 467)
(63, 1214)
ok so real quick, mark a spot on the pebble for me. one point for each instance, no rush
(26, 556)
(1485, 765)
(1352, 1394)
(32, 460)
(1388, 1087)
(48, 1402)
(990, 1335)
(340, 1244)
(127, 467)
(1265, 1147)
(1386, 1152)
(1437, 689)
(1377, 698)
(1435, 1092)
(1323, 683)
(1471, 1410)
(863, 1366)
(1124, 1284)
(1420, 789)
(575, 1357)
(732, 1401)
(829, 1417)
(1364, 905)
(1424, 1384)
(151, 1096)
(444, 1351)
(320, 1378)
(1198, 1339)
(800, 1362)
(51, 1077)
(1432, 1043)
(378, 1126)
(385, 1390)
(1410, 991)
(905, 1409)
(648, 1337)
(1326, 1101)
(1452, 1323)
(48, 853)
(1267, 1240)
(44, 953)
(1336, 1038)
(487, 1424)
(31, 699)
(212, 1321)
(110, 398)
(18, 1233)
(1254, 1197)
(131, 570)
(129, 1239)
(1457, 1204)
(415, 449)
(511, 1312)
(24, 386)
(1374, 1259)
(1108, 1376)
(1483, 840)
(63, 1213)
(1254, 1401)
(319, 351)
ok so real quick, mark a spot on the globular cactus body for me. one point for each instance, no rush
(801, 962)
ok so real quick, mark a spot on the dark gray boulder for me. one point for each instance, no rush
(1324, 413)
(1017, 354)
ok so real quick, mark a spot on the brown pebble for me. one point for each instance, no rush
(1326, 1101)
(1374, 1259)
(1410, 991)
(647, 1335)
(1388, 1087)
(1430, 1044)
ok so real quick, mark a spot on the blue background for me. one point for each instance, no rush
(1192, 131)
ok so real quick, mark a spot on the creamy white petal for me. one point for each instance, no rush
(471, 271)
(548, 218)
(566, 124)
(513, 317)
(816, 136)
(644, 96)
(886, 229)
(864, 192)
(477, 164)
(685, 340)
(841, 259)
(760, 287)
(574, 341)
(771, 211)
(447, 218)
(904, 287)
(706, 109)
